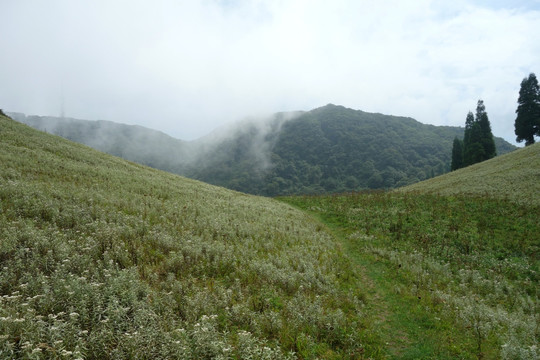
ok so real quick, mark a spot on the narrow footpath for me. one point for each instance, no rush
(405, 327)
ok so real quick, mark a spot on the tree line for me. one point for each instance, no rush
(478, 145)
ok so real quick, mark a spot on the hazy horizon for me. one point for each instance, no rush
(186, 68)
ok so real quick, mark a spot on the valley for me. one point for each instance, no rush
(106, 258)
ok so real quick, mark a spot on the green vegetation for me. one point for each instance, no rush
(102, 258)
(330, 149)
(134, 143)
(457, 154)
(486, 136)
(335, 149)
(452, 276)
(453, 261)
(527, 124)
(478, 144)
(511, 176)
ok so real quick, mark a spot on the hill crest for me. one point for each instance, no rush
(514, 176)
(327, 149)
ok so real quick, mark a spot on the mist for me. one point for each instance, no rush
(251, 139)
(187, 68)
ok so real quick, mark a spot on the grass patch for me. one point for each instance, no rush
(452, 276)
(512, 176)
(102, 258)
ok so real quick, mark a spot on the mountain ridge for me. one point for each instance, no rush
(328, 149)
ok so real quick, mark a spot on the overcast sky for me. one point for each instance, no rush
(187, 67)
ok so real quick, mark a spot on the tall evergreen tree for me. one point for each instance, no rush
(487, 141)
(467, 155)
(527, 123)
(478, 142)
(476, 149)
(457, 154)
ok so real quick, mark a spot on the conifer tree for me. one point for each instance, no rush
(467, 155)
(527, 124)
(486, 136)
(476, 149)
(478, 142)
(457, 154)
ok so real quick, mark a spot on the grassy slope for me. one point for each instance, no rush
(104, 258)
(449, 276)
(515, 176)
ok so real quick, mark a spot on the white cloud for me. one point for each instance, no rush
(186, 67)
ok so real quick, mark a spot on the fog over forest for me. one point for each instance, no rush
(328, 149)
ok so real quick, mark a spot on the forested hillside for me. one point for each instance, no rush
(135, 143)
(329, 149)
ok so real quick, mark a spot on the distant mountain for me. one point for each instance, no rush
(329, 149)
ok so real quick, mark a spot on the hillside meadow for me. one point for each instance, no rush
(514, 176)
(105, 259)
(102, 258)
(454, 261)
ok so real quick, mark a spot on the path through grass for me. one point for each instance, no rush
(405, 328)
(447, 277)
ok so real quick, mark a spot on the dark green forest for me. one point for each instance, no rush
(325, 150)
(333, 149)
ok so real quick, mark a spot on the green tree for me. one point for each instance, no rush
(467, 145)
(476, 150)
(487, 142)
(478, 142)
(527, 123)
(457, 154)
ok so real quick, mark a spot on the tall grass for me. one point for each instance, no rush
(514, 176)
(102, 258)
(474, 260)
